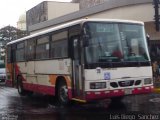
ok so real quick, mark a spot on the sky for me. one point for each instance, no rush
(10, 10)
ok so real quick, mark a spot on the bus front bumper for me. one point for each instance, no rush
(90, 95)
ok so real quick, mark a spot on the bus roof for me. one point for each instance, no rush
(74, 23)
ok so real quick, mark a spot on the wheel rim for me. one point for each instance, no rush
(64, 93)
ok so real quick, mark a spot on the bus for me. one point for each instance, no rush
(83, 60)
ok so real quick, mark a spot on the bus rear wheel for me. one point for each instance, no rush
(62, 93)
(21, 91)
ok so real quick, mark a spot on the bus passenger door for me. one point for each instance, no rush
(76, 71)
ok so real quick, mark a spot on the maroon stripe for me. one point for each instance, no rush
(43, 89)
(39, 88)
(103, 95)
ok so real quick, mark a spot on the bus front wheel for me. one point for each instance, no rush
(62, 93)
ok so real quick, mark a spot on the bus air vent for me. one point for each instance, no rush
(126, 83)
(114, 84)
(138, 82)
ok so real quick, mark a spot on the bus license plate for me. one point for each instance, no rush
(127, 91)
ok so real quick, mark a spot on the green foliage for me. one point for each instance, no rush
(8, 34)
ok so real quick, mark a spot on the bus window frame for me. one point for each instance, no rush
(39, 44)
(21, 48)
(59, 40)
(27, 49)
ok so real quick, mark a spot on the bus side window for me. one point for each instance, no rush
(31, 49)
(42, 48)
(59, 44)
(20, 56)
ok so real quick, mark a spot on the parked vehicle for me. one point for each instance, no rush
(2, 72)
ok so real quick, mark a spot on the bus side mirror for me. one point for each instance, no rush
(147, 38)
(85, 40)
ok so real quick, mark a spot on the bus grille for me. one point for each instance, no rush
(126, 83)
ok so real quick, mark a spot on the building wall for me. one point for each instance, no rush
(37, 14)
(151, 31)
(21, 24)
(49, 10)
(90, 3)
(133, 12)
(57, 9)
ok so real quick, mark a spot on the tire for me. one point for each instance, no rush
(62, 93)
(21, 91)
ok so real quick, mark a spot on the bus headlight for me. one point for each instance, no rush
(147, 81)
(97, 85)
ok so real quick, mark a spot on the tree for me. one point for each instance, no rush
(8, 34)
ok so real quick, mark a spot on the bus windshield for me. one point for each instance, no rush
(115, 42)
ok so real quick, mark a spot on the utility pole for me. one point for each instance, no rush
(156, 16)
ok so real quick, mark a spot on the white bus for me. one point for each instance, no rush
(84, 60)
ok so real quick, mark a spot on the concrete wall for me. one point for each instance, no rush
(89, 3)
(37, 14)
(57, 9)
(48, 10)
(150, 30)
(139, 12)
